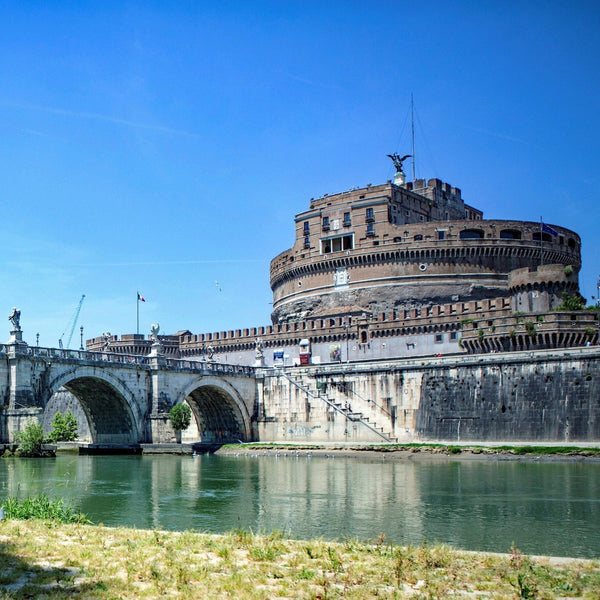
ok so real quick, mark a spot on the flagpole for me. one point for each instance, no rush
(541, 241)
(138, 313)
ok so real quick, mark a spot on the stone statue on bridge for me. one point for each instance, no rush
(107, 338)
(15, 319)
(259, 354)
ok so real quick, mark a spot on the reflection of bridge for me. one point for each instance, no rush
(126, 398)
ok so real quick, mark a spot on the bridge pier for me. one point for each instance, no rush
(21, 394)
(160, 430)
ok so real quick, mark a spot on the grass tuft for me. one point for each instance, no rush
(41, 507)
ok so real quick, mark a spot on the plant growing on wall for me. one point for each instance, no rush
(180, 416)
(530, 327)
(64, 428)
(571, 302)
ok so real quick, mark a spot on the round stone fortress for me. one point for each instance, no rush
(402, 270)
(390, 247)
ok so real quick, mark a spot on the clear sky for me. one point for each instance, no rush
(165, 147)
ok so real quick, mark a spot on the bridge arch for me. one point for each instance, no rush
(114, 416)
(219, 410)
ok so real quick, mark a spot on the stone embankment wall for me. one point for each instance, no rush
(546, 396)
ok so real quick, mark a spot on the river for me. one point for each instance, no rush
(550, 508)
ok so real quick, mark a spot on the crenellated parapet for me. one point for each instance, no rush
(540, 289)
(530, 331)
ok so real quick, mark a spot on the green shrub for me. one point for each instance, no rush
(530, 327)
(181, 416)
(574, 302)
(568, 270)
(30, 440)
(64, 428)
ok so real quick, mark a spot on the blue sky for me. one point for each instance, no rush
(166, 146)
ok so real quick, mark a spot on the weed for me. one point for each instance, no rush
(42, 507)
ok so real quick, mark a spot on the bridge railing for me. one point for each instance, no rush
(210, 367)
(205, 367)
(64, 354)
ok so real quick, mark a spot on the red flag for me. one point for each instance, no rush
(141, 298)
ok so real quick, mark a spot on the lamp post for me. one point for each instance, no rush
(345, 326)
(81, 337)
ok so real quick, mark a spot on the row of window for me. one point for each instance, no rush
(468, 234)
(327, 223)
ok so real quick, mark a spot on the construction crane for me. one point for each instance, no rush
(71, 325)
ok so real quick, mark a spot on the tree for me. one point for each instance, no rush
(181, 416)
(574, 302)
(30, 440)
(64, 427)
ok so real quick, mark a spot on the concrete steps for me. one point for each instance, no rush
(343, 409)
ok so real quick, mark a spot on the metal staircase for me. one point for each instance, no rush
(338, 407)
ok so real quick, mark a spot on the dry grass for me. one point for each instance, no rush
(42, 559)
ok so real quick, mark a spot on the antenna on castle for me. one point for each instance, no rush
(412, 124)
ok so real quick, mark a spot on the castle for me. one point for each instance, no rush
(402, 269)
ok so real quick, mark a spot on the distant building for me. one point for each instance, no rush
(400, 270)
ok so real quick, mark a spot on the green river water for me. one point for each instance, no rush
(548, 508)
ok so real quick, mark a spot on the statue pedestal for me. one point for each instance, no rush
(157, 349)
(16, 337)
(399, 178)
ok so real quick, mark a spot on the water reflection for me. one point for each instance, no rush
(543, 508)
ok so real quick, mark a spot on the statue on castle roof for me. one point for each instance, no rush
(397, 160)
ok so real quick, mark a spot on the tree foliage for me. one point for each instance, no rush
(64, 427)
(181, 416)
(571, 302)
(30, 440)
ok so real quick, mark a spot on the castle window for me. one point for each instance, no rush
(370, 215)
(439, 338)
(454, 335)
(471, 234)
(306, 241)
(347, 221)
(370, 230)
(441, 234)
(418, 237)
(510, 234)
(306, 228)
(337, 244)
(325, 223)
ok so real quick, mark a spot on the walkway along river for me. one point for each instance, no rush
(548, 508)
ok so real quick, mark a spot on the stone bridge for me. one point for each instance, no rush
(126, 398)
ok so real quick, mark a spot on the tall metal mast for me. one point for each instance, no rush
(412, 124)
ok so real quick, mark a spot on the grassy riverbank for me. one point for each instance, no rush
(46, 559)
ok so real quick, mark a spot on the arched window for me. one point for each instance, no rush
(510, 234)
(471, 234)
